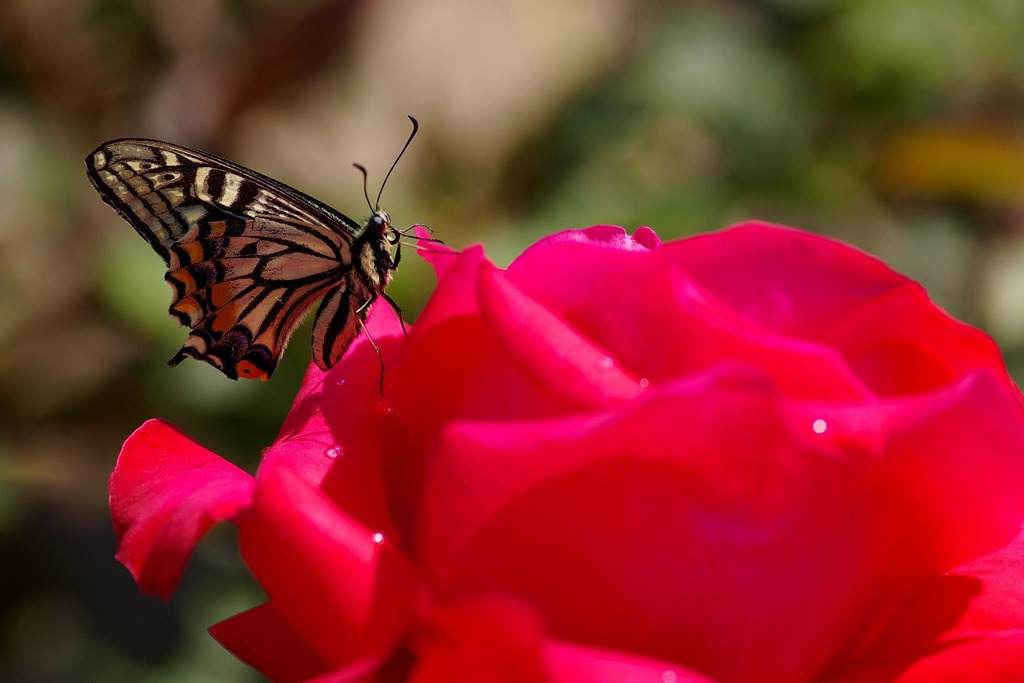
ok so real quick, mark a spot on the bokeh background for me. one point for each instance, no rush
(893, 124)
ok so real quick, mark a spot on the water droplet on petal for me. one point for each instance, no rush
(644, 382)
(607, 363)
(341, 382)
(669, 677)
(384, 407)
(333, 452)
(819, 426)
(378, 537)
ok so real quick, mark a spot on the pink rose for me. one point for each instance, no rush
(755, 455)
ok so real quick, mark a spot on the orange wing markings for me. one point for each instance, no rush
(334, 327)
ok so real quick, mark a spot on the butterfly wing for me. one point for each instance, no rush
(246, 255)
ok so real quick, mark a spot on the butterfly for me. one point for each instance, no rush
(248, 256)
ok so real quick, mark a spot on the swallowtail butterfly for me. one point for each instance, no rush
(247, 256)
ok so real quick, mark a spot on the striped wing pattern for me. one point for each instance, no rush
(246, 256)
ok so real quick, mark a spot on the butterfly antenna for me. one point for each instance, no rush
(362, 169)
(415, 128)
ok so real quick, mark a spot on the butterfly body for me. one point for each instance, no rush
(246, 255)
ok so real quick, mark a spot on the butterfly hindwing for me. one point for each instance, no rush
(244, 295)
(246, 256)
(334, 327)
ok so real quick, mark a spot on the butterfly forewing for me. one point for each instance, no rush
(246, 255)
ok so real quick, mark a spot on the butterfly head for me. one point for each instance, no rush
(380, 225)
(379, 230)
(374, 249)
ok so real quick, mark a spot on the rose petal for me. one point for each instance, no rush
(809, 287)
(569, 491)
(903, 344)
(494, 639)
(481, 640)
(703, 332)
(606, 285)
(331, 435)
(456, 288)
(547, 349)
(679, 537)
(611, 236)
(166, 492)
(344, 590)
(360, 366)
(448, 356)
(999, 607)
(369, 669)
(786, 280)
(434, 252)
(571, 663)
(985, 660)
(264, 641)
(982, 599)
(616, 296)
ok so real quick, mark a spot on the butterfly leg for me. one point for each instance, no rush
(376, 349)
(394, 306)
(391, 302)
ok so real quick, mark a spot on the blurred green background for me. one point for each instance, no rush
(893, 124)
